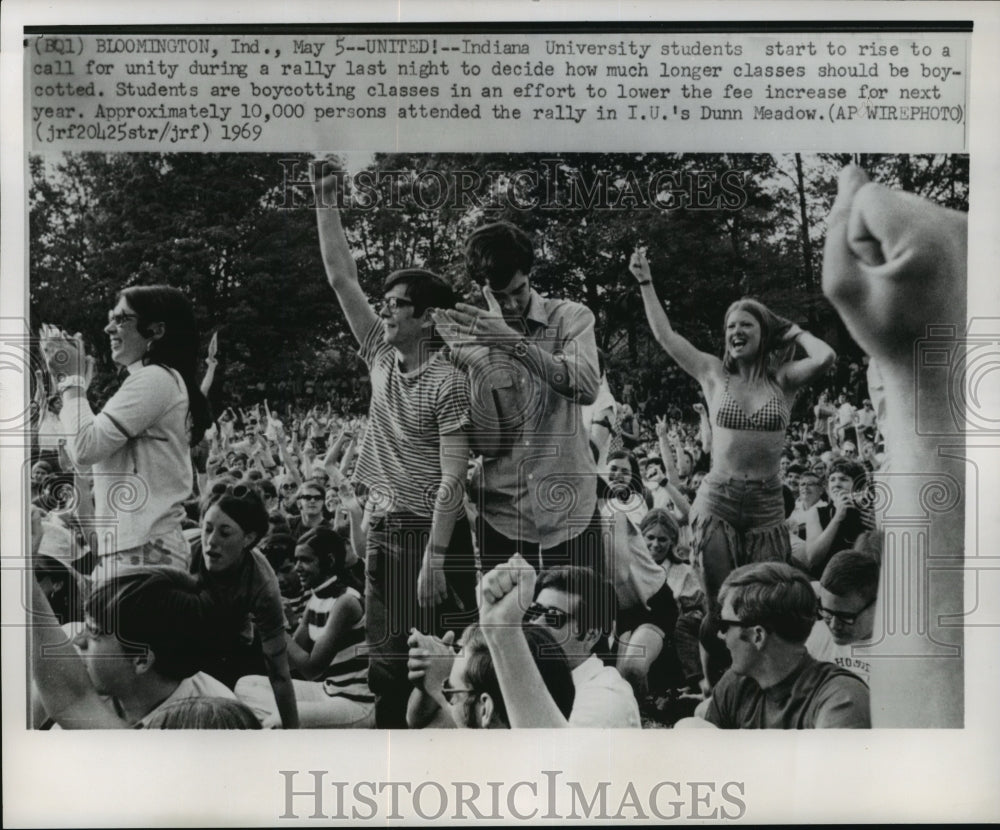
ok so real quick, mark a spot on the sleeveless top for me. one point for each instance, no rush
(347, 674)
(771, 417)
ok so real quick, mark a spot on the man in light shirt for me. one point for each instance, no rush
(847, 594)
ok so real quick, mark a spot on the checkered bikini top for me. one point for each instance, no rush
(771, 417)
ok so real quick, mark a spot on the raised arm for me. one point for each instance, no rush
(429, 663)
(291, 469)
(670, 466)
(819, 357)
(212, 363)
(341, 270)
(505, 594)
(60, 677)
(696, 363)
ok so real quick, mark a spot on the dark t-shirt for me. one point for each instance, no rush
(247, 593)
(815, 695)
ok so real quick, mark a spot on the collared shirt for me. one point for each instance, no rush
(814, 695)
(138, 448)
(539, 475)
(604, 699)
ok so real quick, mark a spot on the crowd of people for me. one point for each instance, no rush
(501, 541)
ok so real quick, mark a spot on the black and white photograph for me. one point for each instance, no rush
(508, 395)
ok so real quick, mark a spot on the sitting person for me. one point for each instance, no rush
(327, 648)
(279, 550)
(768, 610)
(310, 498)
(504, 597)
(238, 577)
(204, 713)
(472, 674)
(639, 583)
(847, 593)
(577, 612)
(658, 648)
(139, 651)
(844, 520)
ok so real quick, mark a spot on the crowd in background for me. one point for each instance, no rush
(320, 566)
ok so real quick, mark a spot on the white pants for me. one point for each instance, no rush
(317, 709)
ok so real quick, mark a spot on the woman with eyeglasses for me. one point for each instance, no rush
(139, 445)
(245, 588)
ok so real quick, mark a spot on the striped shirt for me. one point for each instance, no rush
(399, 460)
(347, 675)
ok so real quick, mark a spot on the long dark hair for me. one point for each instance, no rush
(178, 348)
(773, 350)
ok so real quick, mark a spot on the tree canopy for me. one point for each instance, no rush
(236, 233)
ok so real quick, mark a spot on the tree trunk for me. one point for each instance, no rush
(807, 255)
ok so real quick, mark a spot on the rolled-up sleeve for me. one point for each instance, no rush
(577, 330)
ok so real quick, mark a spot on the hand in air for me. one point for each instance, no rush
(893, 264)
(505, 594)
(639, 266)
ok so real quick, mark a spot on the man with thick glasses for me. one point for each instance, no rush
(413, 459)
(768, 611)
(847, 593)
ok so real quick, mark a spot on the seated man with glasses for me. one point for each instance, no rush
(577, 612)
(578, 609)
(413, 458)
(847, 594)
(768, 611)
(309, 499)
(467, 692)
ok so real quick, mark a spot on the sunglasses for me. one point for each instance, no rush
(827, 615)
(393, 304)
(448, 691)
(239, 491)
(119, 317)
(554, 618)
(310, 497)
